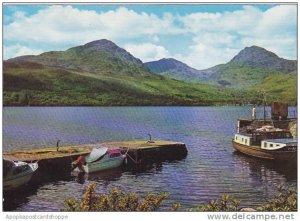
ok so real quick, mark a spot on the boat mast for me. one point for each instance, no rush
(264, 103)
(264, 100)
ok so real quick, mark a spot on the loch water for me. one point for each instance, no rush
(211, 167)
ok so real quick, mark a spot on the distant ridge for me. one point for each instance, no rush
(247, 69)
(171, 67)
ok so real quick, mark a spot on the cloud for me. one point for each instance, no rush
(147, 52)
(217, 37)
(204, 56)
(281, 17)
(200, 39)
(60, 24)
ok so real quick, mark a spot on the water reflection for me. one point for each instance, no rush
(101, 176)
(116, 173)
(145, 168)
(20, 196)
(266, 169)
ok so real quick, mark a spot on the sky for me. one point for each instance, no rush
(199, 35)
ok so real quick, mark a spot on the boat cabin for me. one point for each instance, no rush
(114, 153)
(243, 139)
(256, 137)
(259, 136)
(275, 144)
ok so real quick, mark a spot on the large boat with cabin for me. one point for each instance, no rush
(273, 139)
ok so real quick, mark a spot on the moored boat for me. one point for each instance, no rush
(267, 139)
(286, 149)
(101, 158)
(17, 173)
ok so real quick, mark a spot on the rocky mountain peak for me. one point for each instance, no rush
(101, 45)
(254, 55)
(167, 64)
(111, 48)
(259, 57)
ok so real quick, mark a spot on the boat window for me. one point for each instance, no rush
(242, 139)
(115, 155)
(271, 145)
(21, 169)
(265, 144)
(236, 138)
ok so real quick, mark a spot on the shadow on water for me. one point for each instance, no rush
(17, 197)
(20, 196)
(104, 176)
(115, 174)
(153, 164)
(263, 167)
(152, 167)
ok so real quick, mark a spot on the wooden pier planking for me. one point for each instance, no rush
(142, 144)
(45, 153)
(139, 149)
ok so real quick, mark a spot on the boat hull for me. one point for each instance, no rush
(104, 164)
(12, 182)
(17, 182)
(256, 151)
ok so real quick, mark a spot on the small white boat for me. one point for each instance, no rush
(101, 158)
(17, 173)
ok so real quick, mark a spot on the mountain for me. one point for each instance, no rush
(100, 73)
(101, 56)
(258, 57)
(173, 68)
(247, 69)
(106, 46)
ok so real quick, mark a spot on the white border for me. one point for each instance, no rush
(134, 216)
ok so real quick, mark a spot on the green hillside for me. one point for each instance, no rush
(281, 88)
(240, 76)
(55, 86)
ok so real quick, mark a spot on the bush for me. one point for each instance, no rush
(225, 203)
(284, 200)
(115, 200)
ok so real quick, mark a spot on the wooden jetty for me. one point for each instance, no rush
(143, 151)
(138, 151)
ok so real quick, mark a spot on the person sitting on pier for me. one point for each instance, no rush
(79, 162)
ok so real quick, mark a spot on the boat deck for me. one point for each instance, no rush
(283, 141)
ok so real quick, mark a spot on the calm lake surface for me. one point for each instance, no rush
(211, 167)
